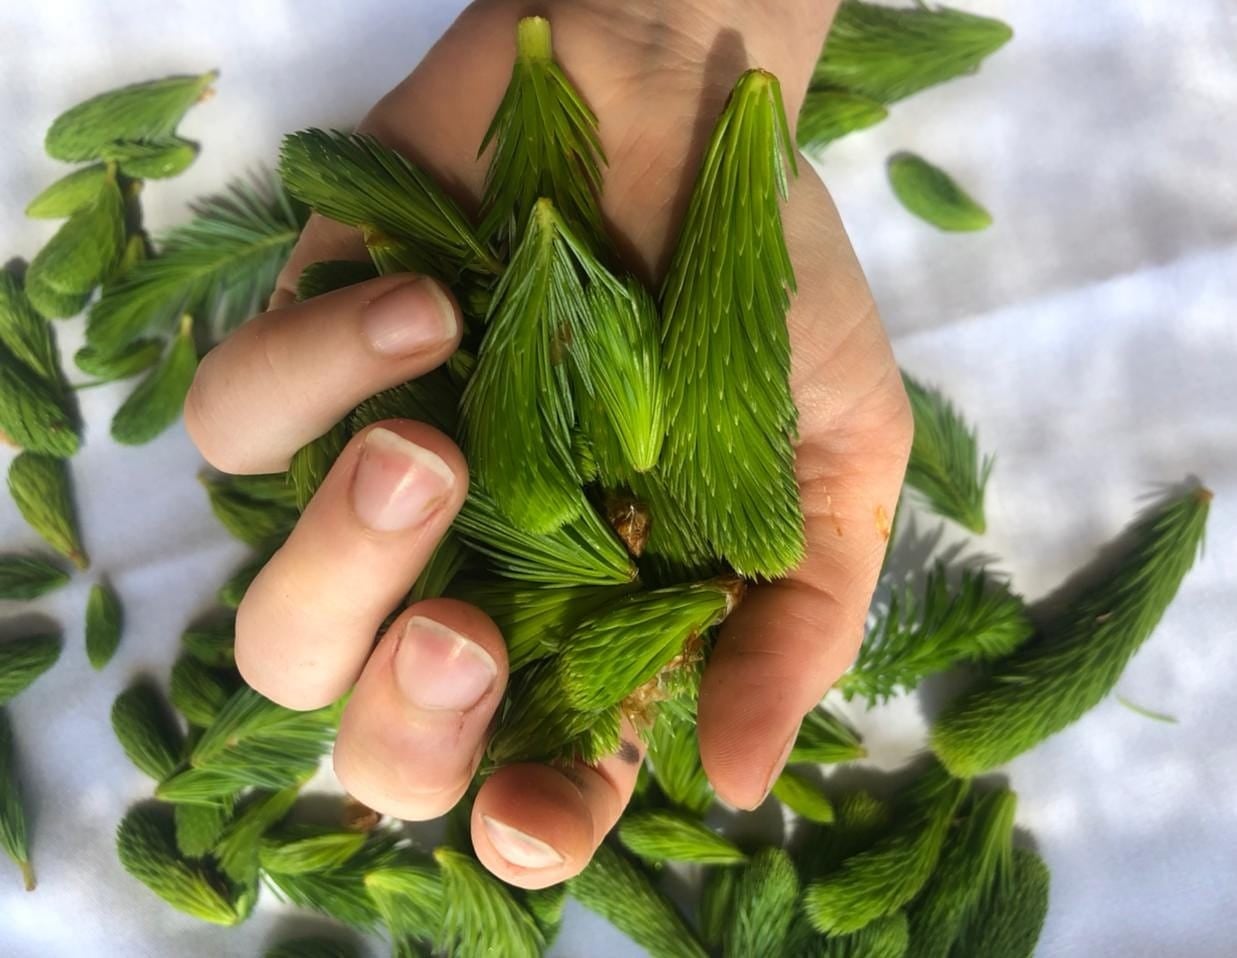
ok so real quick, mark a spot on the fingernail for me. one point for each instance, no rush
(779, 765)
(437, 668)
(398, 484)
(409, 319)
(519, 848)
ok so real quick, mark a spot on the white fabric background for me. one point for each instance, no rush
(1090, 333)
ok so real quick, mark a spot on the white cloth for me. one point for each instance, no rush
(1089, 333)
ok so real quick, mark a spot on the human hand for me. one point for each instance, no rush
(415, 726)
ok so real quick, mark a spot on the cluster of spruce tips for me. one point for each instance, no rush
(613, 521)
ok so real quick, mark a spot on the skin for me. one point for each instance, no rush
(656, 74)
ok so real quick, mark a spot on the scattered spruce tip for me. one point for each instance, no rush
(147, 849)
(932, 195)
(715, 905)
(309, 850)
(199, 692)
(238, 848)
(978, 620)
(1008, 919)
(133, 358)
(548, 906)
(256, 520)
(312, 948)
(828, 115)
(27, 336)
(886, 937)
(763, 906)
(945, 465)
(13, 833)
(141, 112)
(158, 400)
(35, 413)
(1079, 654)
(29, 577)
(410, 898)
(826, 738)
(340, 892)
(327, 276)
(200, 827)
(674, 763)
(481, 916)
(662, 836)
(803, 797)
(212, 643)
(104, 621)
(23, 660)
(889, 53)
(69, 194)
(152, 159)
(147, 731)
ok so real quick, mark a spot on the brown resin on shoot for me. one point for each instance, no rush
(356, 816)
(631, 522)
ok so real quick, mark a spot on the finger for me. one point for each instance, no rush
(414, 728)
(287, 376)
(789, 641)
(536, 825)
(308, 621)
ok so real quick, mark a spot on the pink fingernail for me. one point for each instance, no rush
(437, 668)
(520, 848)
(398, 484)
(410, 319)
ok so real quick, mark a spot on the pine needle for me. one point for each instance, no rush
(945, 466)
(881, 879)
(40, 488)
(977, 621)
(481, 916)
(666, 836)
(147, 731)
(828, 115)
(23, 660)
(1008, 920)
(141, 111)
(353, 179)
(219, 267)
(148, 852)
(615, 651)
(159, 399)
(29, 577)
(930, 193)
(104, 621)
(1146, 712)
(1079, 656)
(826, 738)
(615, 888)
(976, 859)
(888, 53)
(13, 835)
(583, 552)
(728, 455)
(545, 144)
(81, 254)
(764, 904)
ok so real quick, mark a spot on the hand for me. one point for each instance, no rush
(412, 733)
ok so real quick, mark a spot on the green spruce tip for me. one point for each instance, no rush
(40, 488)
(147, 111)
(136, 357)
(312, 948)
(978, 620)
(976, 859)
(715, 905)
(159, 399)
(545, 144)
(660, 835)
(26, 334)
(828, 115)
(152, 159)
(104, 621)
(614, 887)
(614, 652)
(234, 589)
(327, 276)
(1009, 919)
(859, 820)
(886, 937)
(309, 849)
(945, 465)
(517, 407)
(23, 660)
(220, 267)
(410, 899)
(803, 796)
(213, 642)
(313, 461)
(13, 833)
(147, 731)
(69, 194)
(238, 848)
(199, 827)
(765, 901)
(1076, 660)
(481, 916)
(198, 691)
(262, 524)
(888, 53)
(932, 195)
(548, 907)
(81, 254)
(147, 850)
(674, 761)
(728, 456)
(353, 179)
(881, 879)
(341, 892)
(23, 578)
(825, 738)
